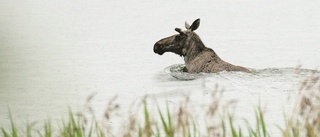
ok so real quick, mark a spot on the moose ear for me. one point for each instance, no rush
(186, 25)
(195, 25)
(179, 30)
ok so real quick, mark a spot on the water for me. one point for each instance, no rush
(53, 54)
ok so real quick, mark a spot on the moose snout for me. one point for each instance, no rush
(157, 48)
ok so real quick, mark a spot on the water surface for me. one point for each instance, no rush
(53, 54)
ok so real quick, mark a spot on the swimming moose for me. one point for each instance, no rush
(197, 57)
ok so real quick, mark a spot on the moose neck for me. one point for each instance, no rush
(193, 48)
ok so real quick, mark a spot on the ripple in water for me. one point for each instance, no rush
(177, 72)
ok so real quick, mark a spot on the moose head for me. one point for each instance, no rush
(180, 43)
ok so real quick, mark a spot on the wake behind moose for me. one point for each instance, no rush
(198, 58)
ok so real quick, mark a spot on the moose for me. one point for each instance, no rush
(198, 58)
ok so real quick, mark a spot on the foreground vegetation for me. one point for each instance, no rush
(218, 121)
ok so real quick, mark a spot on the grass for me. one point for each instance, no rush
(166, 126)
(181, 122)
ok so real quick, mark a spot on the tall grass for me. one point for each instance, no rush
(14, 130)
(181, 122)
(305, 119)
(168, 125)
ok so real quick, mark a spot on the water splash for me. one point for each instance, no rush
(177, 72)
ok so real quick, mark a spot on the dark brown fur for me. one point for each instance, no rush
(197, 57)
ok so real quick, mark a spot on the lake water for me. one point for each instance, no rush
(54, 54)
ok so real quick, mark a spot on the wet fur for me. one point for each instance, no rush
(199, 58)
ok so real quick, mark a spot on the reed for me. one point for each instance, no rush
(181, 122)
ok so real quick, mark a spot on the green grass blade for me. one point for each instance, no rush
(146, 115)
(189, 132)
(170, 124)
(139, 131)
(257, 124)
(296, 130)
(91, 128)
(194, 129)
(158, 131)
(13, 127)
(233, 130)
(98, 131)
(250, 129)
(5, 134)
(63, 129)
(147, 127)
(164, 124)
(74, 126)
(72, 123)
(262, 122)
(39, 134)
(283, 131)
(78, 128)
(224, 132)
(240, 133)
(28, 130)
(48, 129)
